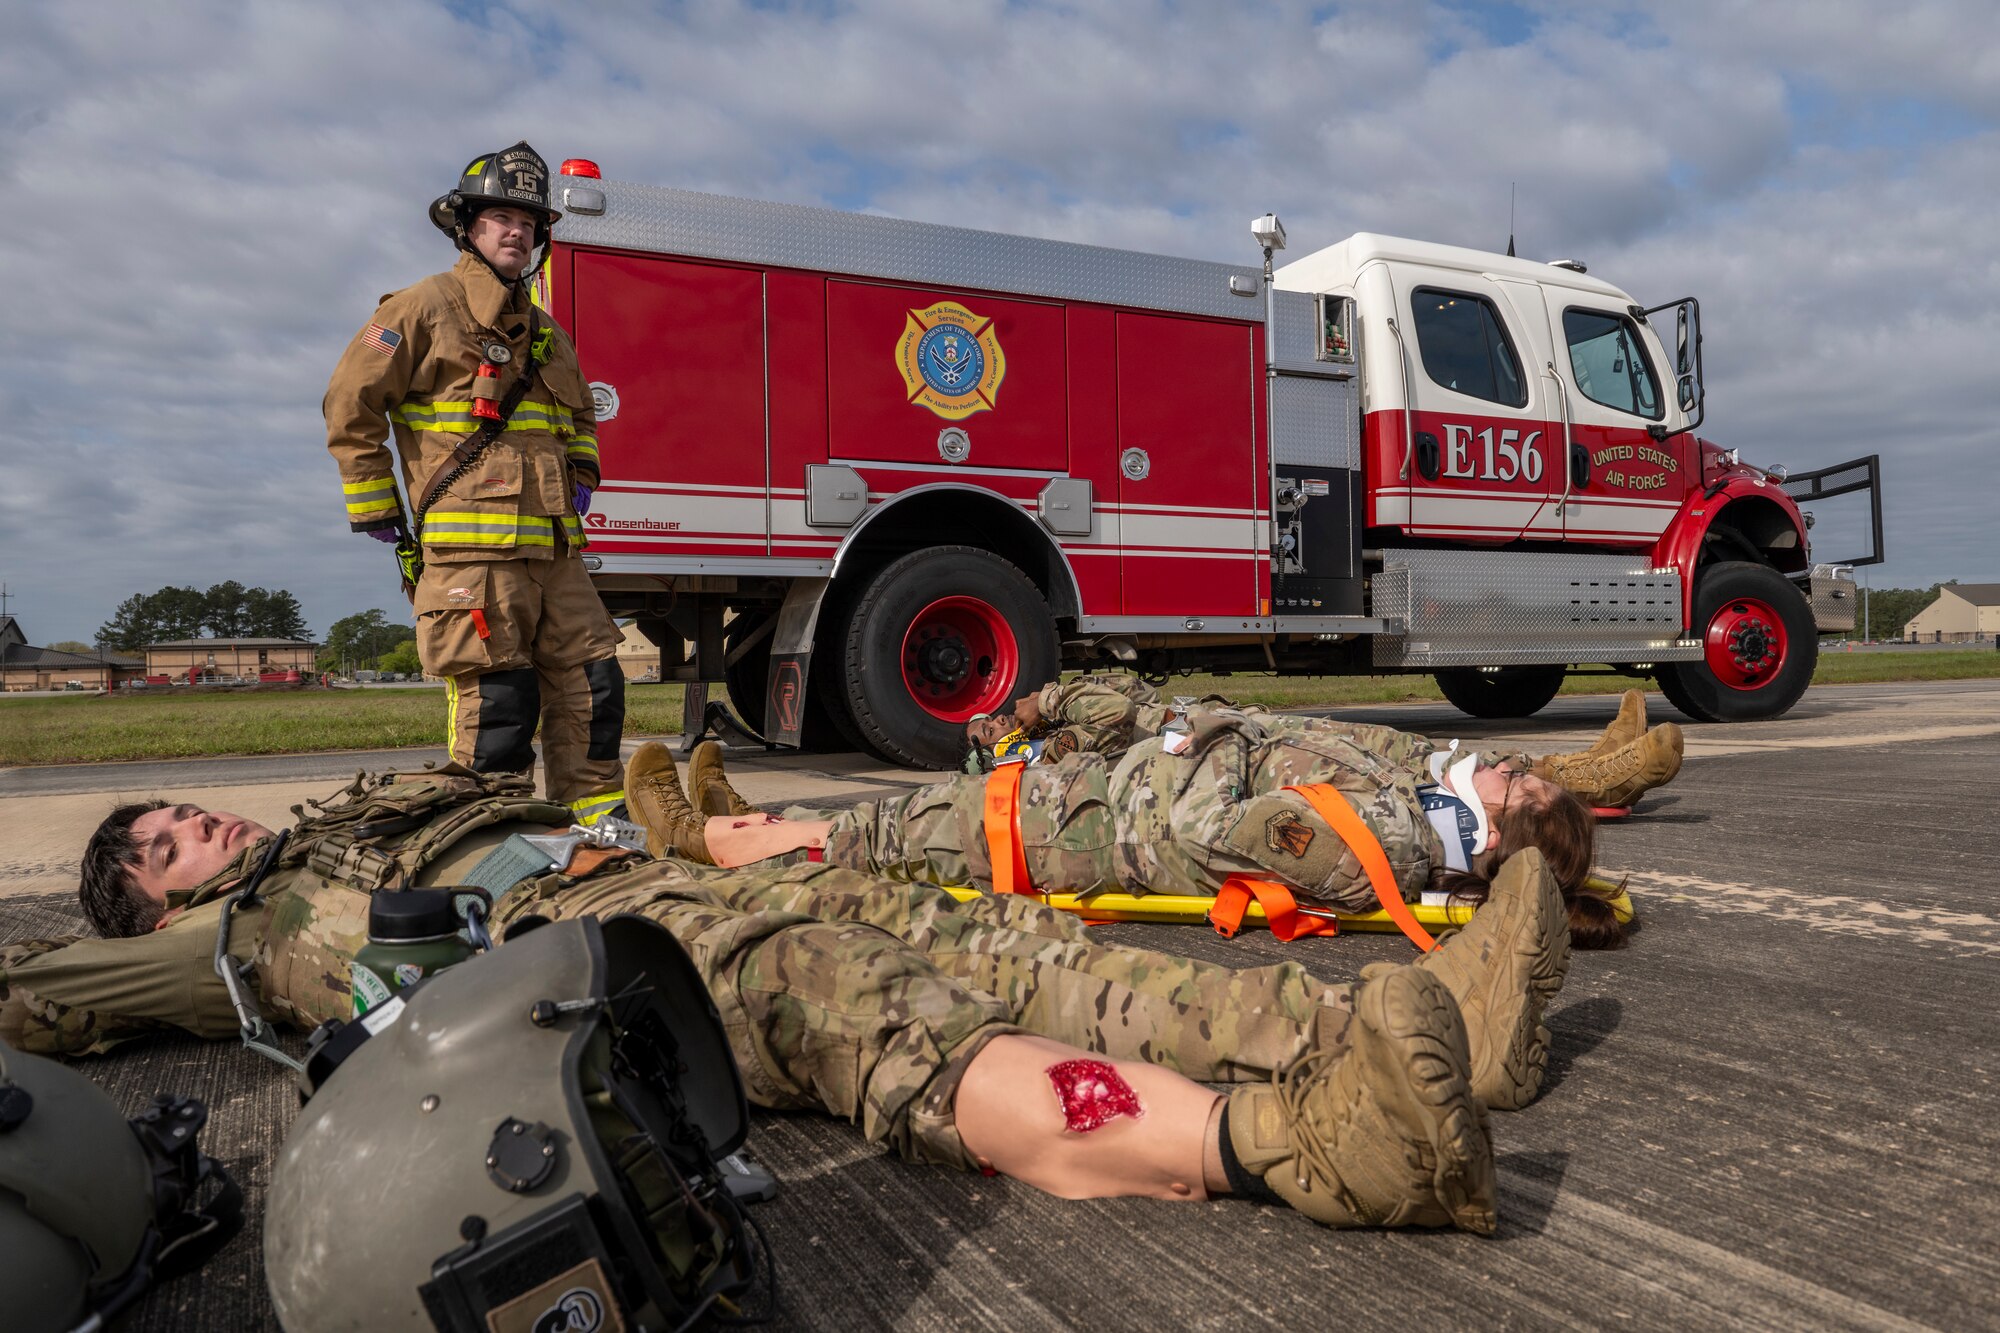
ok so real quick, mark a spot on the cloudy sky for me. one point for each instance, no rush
(205, 199)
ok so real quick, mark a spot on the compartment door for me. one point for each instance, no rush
(678, 347)
(1187, 482)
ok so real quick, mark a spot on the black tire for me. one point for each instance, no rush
(1515, 691)
(1730, 599)
(994, 594)
(748, 677)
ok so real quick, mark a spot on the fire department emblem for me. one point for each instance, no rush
(950, 360)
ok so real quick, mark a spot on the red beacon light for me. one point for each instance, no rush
(581, 166)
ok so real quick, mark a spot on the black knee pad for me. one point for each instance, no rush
(510, 704)
(607, 707)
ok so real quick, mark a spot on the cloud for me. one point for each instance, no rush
(209, 196)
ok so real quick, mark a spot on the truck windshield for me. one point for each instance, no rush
(1609, 360)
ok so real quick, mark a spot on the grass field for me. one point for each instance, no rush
(167, 725)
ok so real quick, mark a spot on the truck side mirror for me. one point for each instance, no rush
(1690, 392)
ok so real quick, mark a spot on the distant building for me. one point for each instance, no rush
(638, 655)
(24, 667)
(240, 659)
(1963, 613)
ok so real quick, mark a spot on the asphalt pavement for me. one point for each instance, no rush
(1776, 1109)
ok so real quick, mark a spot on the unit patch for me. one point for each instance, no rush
(950, 360)
(1285, 832)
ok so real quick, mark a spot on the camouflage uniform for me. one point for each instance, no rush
(1109, 714)
(1170, 823)
(838, 991)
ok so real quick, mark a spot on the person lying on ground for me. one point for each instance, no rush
(1177, 814)
(1108, 714)
(894, 1006)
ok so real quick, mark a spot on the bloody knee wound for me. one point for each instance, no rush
(1092, 1094)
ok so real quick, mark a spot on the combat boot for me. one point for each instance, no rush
(1387, 1134)
(1628, 726)
(712, 792)
(1503, 968)
(1624, 775)
(653, 791)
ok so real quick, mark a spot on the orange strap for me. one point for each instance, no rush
(1361, 840)
(1003, 830)
(1281, 911)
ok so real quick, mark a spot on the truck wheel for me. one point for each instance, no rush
(748, 676)
(936, 637)
(1759, 641)
(1517, 691)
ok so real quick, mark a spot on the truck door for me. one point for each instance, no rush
(1187, 469)
(1625, 485)
(674, 350)
(1481, 466)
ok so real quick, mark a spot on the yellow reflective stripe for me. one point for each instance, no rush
(482, 520)
(451, 715)
(369, 487)
(359, 508)
(586, 451)
(592, 808)
(488, 538)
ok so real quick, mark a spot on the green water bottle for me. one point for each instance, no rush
(412, 934)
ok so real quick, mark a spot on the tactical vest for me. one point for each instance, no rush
(387, 832)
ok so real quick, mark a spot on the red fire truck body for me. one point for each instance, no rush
(883, 475)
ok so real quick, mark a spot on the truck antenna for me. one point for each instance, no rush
(1510, 219)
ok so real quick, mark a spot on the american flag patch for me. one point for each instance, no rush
(385, 341)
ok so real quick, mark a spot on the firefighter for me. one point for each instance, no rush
(497, 435)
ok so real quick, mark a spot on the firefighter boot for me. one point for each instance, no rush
(1386, 1135)
(653, 793)
(1624, 775)
(1503, 968)
(711, 789)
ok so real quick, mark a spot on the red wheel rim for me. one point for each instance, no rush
(959, 658)
(1745, 645)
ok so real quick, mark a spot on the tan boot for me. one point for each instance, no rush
(1386, 1135)
(1628, 726)
(712, 792)
(653, 795)
(1503, 968)
(1624, 775)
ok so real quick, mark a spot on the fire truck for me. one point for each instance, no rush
(877, 476)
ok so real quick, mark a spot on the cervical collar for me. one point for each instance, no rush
(1460, 820)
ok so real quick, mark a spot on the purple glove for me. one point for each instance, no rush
(387, 536)
(581, 499)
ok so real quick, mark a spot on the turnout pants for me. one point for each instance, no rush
(525, 641)
(868, 1000)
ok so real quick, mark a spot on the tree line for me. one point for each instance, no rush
(225, 611)
(369, 641)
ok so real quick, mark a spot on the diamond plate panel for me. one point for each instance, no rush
(1499, 608)
(1297, 312)
(1833, 598)
(1316, 422)
(713, 226)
